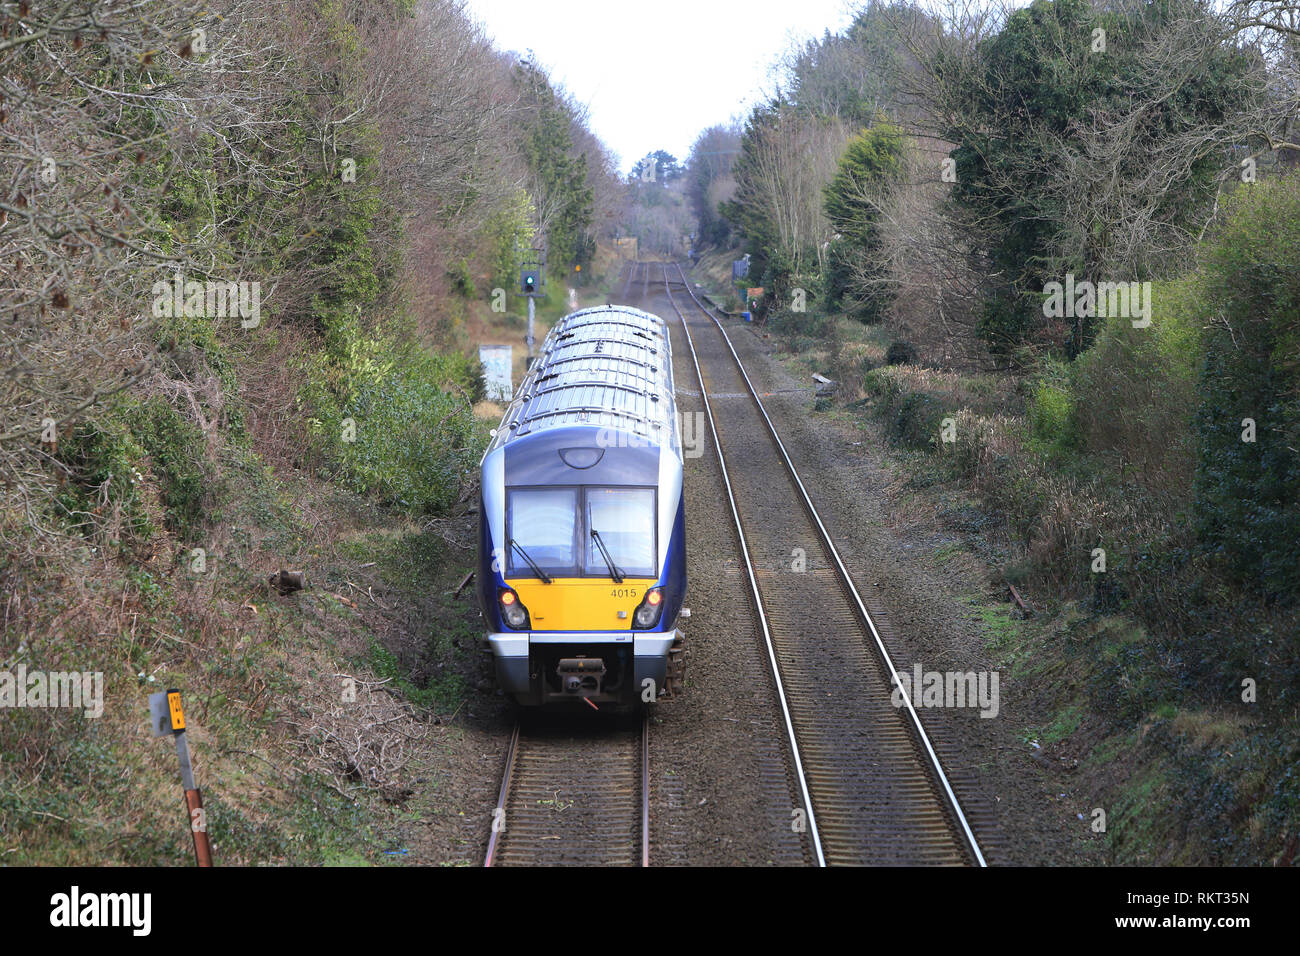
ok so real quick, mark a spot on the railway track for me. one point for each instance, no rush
(631, 277)
(875, 791)
(574, 793)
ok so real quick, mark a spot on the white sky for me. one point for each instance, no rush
(655, 74)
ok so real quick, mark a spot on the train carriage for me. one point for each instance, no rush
(582, 563)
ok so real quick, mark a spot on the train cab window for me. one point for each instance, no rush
(625, 518)
(542, 522)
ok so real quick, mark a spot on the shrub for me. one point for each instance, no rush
(1248, 493)
(109, 458)
(836, 278)
(409, 412)
(1134, 391)
(800, 325)
(901, 353)
(1051, 409)
(916, 420)
(879, 383)
(176, 454)
(461, 279)
(102, 461)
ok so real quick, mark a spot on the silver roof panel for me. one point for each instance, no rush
(607, 367)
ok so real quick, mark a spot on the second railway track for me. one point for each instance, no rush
(876, 790)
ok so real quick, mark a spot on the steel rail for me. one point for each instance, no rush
(499, 814)
(645, 790)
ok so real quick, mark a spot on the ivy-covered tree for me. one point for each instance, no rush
(857, 74)
(1248, 425)
(870, 164)
(558, 175)
(1056, 195)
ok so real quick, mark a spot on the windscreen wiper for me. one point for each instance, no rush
(531, 563)
(614, 572)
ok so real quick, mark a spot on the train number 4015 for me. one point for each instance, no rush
(623, 593)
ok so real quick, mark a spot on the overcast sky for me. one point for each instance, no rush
(654, 74)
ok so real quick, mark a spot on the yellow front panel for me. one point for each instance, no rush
(580, 604)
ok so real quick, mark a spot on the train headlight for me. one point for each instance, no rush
(651, 607)
(515, 614)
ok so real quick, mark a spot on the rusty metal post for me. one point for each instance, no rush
(199, 826)
(193, 799)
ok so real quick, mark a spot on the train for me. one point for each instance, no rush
(581, 565)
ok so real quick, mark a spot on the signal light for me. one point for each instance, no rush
(654, 597)
(508, 598)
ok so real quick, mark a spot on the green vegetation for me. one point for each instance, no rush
(395, 423)
(157, 466)
(1248, 422)
(870, 163)
(559, 175)
(1145, 474)
(1038, 79)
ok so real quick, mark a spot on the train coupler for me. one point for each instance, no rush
(581, 676)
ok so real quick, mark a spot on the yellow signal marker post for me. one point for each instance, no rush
(168, 716)
(174, 708)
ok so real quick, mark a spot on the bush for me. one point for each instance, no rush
(103, 465)
(109, 459)
(916, 420)
(176, 454)
(880, 384)
(836, 278)
(396, 422)
(1248, 492)
(1134, 391)
(461, 279)
(1051, 409)
(805, 327)
(901, 353)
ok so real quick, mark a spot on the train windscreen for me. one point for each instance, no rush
(625, 518)
(542, 522)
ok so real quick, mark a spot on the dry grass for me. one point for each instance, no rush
(260, 673)
(269, 389)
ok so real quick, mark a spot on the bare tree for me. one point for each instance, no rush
(94, 100)
(788, 159)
